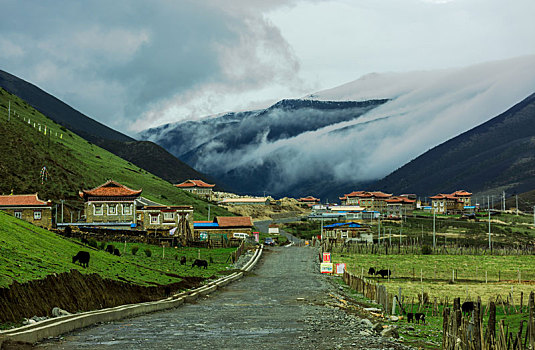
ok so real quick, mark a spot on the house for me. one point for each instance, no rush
(370, 201)
(28, 207)
(348, 232)
(111, 203)
(198, 187)
(453, 203)
(309, 201)
(173, 221)
(399, 206)
(246, 201)
(225, 225)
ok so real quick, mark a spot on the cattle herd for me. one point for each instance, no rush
(383, 273)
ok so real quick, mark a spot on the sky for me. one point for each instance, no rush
(138, 64)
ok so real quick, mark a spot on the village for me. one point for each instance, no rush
(115, 210)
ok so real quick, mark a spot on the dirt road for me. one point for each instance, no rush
(282, 304)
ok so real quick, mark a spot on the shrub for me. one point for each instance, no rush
(426, 250)
(93, 243)
(211, 260)
(148, 252)
(102, 246)
(134, 250)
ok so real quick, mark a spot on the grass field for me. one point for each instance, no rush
(73, 163)
(28, 252)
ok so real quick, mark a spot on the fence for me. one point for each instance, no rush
(372, 291)
(465, 331)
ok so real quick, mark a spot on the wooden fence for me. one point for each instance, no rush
(371, 290)
(467, 331)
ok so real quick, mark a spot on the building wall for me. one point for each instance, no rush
(120, 215)
(28, 214)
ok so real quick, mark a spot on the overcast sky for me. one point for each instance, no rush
(137, 64)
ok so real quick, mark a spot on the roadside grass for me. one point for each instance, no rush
(73, 163)
(28, 252)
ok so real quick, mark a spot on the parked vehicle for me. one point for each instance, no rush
(240, 235)
(269, 241)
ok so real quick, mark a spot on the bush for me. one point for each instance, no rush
(134, 250)
(426, 250)
(102, 246)
(93, 243)
(148, 252)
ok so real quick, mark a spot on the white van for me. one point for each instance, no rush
(240, 235)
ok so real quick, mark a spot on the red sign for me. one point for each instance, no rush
(326, 257)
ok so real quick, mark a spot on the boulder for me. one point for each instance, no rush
(390, 332)
(56, 312)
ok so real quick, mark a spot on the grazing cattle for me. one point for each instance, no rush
(200, 263)
(183, 260)
(167, 291)
(116, 252)
(82, 257)
(410, 317)
(84, 240)
(419, 317)
(371, 271)
(468, 306)
(383, 273)
(110, 248)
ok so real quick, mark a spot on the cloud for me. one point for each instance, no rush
(124, 64)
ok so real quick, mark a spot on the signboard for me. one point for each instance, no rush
(326, 268)
(340, 268)
(203, 236)
(256, 236)
(326, 257)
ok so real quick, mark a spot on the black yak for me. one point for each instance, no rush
(183, 260)
(371, 271)
(82, 257)
(468, 306)
(419, 317)
(110, 248)
(200, 263)
(116, 252)
(383, 273)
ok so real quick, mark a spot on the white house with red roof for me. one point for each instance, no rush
(369, 200)
(399, 206)
(309, 201)
(198, 187)
(28, 207)
(452, 203)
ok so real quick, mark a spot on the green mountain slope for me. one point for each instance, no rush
(72, 162)
(144, 154)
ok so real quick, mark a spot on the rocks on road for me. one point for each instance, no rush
(283, 303)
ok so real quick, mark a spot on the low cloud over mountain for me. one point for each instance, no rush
(318, 146)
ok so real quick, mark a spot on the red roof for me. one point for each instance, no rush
(309, 199)
(234, 221)
(110, 189)
(461, 193)
(400, 200)
(194, 183)
(23, 200)
(366, 194)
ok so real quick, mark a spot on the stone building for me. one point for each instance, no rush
(197, 187)
(28, 207)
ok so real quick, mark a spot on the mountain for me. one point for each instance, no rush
(345, 138)
(496, 156)
(72, 163)
(146, 155)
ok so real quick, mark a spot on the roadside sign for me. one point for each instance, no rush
(326, 257)
(340, 268)
(256, 236)
(326, 268)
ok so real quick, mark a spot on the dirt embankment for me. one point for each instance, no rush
(285, 207)
(75, 292)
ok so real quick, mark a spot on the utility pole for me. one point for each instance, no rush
(209, 212)
(490, 246)
(321, 230)
(503, 201)
(516, 196)
(434, 242)
(9, 111)
(62, 211)
(379, 223)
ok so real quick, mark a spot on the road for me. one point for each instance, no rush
(283, 303)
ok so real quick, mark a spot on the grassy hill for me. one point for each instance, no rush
(73, 163)
(144, 154)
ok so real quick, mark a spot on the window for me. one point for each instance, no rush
(97, 209)
(169, 216)
(37, 215)
(112, 209)
(154, 218)
(18, 214)
(127, 209)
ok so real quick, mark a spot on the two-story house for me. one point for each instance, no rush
(370, 201)
(197, 187)
(453, 203)
(28, 207)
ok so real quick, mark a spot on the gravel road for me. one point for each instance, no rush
(283, 303)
